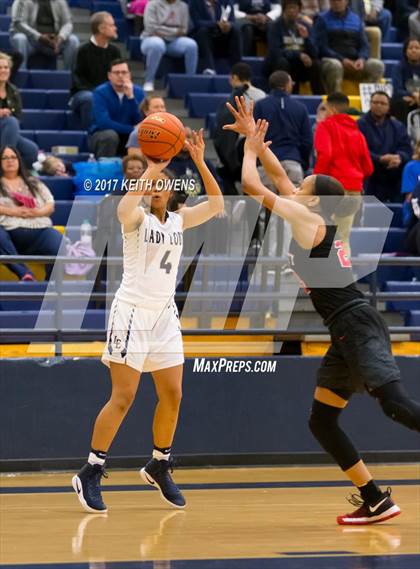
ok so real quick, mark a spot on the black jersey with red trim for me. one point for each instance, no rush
(325, 272)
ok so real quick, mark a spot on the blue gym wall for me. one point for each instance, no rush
(47, 409)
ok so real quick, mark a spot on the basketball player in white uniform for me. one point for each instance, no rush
(144, 332)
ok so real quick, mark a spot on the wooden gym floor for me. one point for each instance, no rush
(243, 518)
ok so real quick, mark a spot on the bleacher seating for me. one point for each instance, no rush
(365, 240)
(373, 215)
(76, 210)
(402, 305)
(61, 188)
(47, 120)
(4, 23)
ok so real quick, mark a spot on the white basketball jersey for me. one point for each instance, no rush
(151, 258)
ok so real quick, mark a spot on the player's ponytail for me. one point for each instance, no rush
(338, 203)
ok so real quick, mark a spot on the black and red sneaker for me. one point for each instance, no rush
(383, 510)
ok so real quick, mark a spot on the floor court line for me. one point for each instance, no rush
(214, 486)
(316, 562)
(242, 520)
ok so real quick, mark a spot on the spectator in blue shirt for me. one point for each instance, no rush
(344, 49)
(406, 81)
(411, 174)
(412, 239)
(215, 32)
(389, 147)
(115, 111)
(291, 48)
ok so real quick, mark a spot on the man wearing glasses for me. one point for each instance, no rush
(115, 111)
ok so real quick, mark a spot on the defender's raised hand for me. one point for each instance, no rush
(243, 115)
(255, 141)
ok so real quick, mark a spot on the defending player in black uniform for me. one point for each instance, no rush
(360, 355)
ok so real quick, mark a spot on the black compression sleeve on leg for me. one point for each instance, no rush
(397, 405)
(324, 426)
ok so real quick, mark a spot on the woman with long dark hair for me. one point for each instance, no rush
(25, 208)
(359, 358)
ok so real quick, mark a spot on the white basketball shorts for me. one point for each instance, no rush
(144, 339)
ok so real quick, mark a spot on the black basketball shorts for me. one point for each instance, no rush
(360, 356)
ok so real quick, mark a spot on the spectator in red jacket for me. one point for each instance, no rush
(342, 152)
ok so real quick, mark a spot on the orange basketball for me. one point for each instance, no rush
(161, 136)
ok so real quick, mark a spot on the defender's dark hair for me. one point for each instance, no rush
(328, 188)
(242, 70)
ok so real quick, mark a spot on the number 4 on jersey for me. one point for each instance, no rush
(342, 255)
(164, 264)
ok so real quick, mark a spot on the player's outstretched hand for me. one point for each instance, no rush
(255, 141)
(154, 168)
(244, 116)
(196, 146)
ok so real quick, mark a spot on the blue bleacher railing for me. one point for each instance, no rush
(58, 335)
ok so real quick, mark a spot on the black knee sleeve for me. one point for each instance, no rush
(397, 405)
(324, 426)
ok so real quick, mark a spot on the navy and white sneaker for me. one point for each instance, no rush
(87, 485)
(383, 510)
(156, 473)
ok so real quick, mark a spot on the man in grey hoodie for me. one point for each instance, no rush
(43, 25)
(166, 25)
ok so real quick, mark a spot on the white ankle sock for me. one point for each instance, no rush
(160, 455)
(93, 459)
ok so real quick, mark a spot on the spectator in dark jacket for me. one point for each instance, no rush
(215, 32)
(115, 111)
(406, 81)
(253, 18)
(291, 48)
(10, 113)
(389, 147)
(342, 152)
(92, 63)
(344, 49)
(290, 127)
